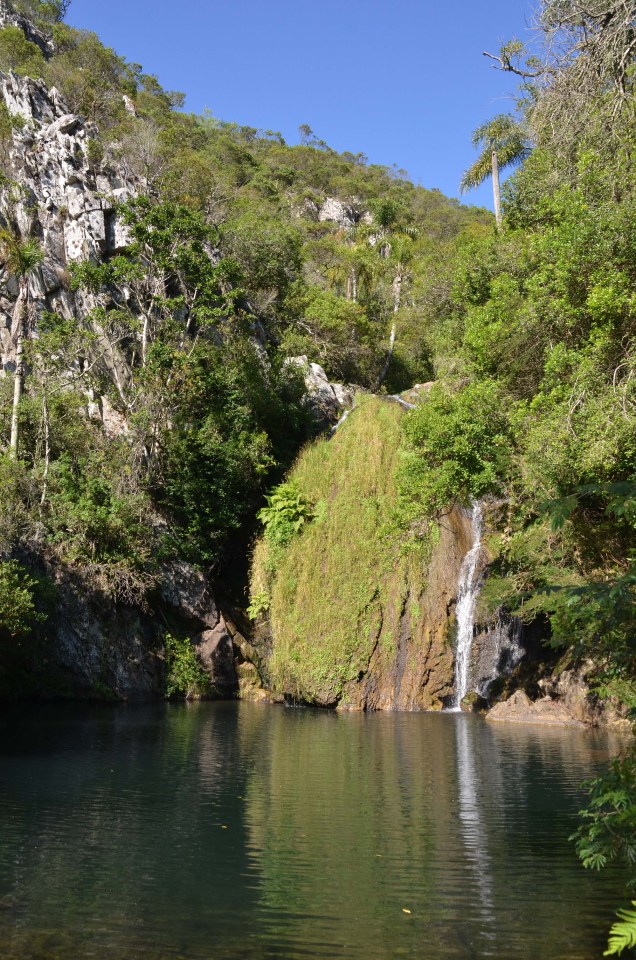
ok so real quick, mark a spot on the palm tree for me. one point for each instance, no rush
(353, 267)
(21, 258)
(504, 145)
(401, 254)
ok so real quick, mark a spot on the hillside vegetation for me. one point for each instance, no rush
(243, 251)
(530, 332)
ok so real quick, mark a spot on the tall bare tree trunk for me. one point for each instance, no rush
(18, 380)
(397, 291)
(47, 446)
(496, 188)
(144, 341)
(397, 302)
(351, 292)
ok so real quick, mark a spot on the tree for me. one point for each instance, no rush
(504, 145)
(21, 258)
(48, 11)
(401, 255)
(583, 71)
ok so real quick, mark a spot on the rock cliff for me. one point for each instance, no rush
(57, 195)
(352, 618)
(57, 192)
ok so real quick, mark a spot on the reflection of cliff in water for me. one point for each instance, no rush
(435, 814)
(241, 830)
(115, 831)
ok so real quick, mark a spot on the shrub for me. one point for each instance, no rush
(18, 614)
(185, 676)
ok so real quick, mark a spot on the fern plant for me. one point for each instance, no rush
(285, 514)
(623, 932)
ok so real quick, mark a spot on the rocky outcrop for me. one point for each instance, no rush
(567, 701)
(345, 213)
(327, 401)
(104, 644)
(498, 648)
(65, 201)
(519, 708)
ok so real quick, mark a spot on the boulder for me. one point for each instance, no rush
(327, 401)
(215, 651)
(519, 708)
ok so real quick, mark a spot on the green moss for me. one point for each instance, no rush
(342, 581)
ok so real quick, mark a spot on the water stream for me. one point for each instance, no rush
(467, 594)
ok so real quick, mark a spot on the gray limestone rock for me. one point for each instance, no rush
(64, 200)
(215, 651)
(346, 213)
(328, 401)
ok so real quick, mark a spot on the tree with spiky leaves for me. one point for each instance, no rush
(20, 258)
(504, 145)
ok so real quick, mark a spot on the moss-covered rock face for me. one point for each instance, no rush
(352, 617)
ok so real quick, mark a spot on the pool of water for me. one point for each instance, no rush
(217, 831)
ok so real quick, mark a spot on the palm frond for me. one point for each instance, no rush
(20, 256)
(502, 135)
(477, 173)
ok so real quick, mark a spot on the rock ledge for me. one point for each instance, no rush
(519, 708)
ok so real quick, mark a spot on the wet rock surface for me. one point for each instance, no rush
(101, 644)
(414, 669)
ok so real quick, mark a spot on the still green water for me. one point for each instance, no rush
(223, 831)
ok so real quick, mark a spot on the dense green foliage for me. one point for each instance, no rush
(25, 601)
(458, 447)
(533, 346)
(228, 271)
(231, 268)
(17, 607)
(185, 677)
(285, 514)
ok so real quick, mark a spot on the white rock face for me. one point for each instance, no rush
(346, 214)
(327, 400)
(64, 201)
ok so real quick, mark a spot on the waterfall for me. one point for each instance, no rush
(467, 593)
(496, 652)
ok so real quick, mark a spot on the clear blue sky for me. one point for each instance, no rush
(404, 82)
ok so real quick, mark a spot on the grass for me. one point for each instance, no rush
(339, 587)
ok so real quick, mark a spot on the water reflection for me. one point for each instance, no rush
(244, 831)
(472, 826)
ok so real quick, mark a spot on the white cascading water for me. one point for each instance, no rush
(467, 593)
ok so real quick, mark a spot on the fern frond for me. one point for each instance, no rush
(623, 933)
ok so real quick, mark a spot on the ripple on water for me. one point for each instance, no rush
(224, 831)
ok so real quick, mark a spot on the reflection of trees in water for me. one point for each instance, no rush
(349, 819)
(112, 839)
(135, 801)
